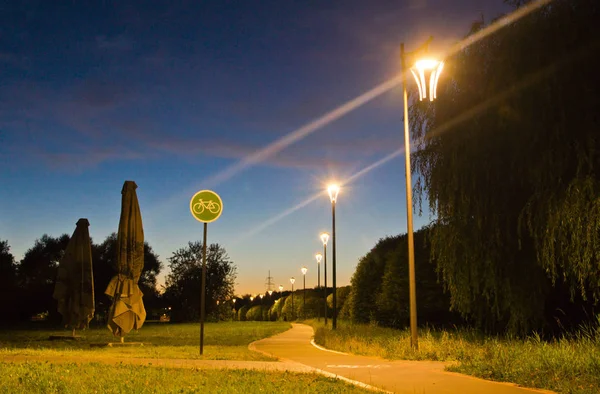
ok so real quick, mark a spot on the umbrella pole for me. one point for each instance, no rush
(203, 290)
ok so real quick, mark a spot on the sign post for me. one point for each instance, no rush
(206, 206)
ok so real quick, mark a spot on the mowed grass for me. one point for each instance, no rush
(99, 378)
(222, 341)
(567, 365)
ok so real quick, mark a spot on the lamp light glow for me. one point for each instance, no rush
(280, 288)
(270, 292)
(333, 192)
(292, 280)
(304, 270)
(427, 70)
(324, 238)
(319, 258)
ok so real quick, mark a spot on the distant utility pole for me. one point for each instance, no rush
(269, 283)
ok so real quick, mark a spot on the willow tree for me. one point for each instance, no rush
(509, 158)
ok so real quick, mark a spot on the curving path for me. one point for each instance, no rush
(295, 347)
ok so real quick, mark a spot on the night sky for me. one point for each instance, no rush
(173, 94)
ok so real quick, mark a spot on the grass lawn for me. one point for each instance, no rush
(222, 341)
(99, 378)
(568, 365)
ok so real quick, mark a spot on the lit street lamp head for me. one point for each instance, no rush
(304, 270)
(261, 296)
(270, 292)
(292, 280)
(325, 238)
(319, 257)
(280, 288)
(427, 72)
(333, 192)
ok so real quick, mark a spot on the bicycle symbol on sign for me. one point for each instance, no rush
(201, 205)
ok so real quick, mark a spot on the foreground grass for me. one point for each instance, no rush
(99, 378)
(222, 341)
(568, 365)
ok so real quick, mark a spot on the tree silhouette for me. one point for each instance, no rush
(508, 160)
(183, 283)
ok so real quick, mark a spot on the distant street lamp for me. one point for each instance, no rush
(427, 73)
(319, 257)
(234, 300)
(333, 193)
(261, 295)
(270, 294)
(325, 239)
(280, 288)
(304, 271)
(292, 280)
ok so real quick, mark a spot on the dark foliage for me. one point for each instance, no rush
(8, 283)
(379, 291)
(508, 159)
(184, 282)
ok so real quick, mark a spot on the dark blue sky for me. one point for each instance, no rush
(169, 94)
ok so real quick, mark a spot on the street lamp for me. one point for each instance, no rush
(280, 288)
(325, 239)
(292, 280)
(234, 300)
(304, 271)
(333, 193)
(319, 257)
(271, 300)
(261, 295)
(427, 73)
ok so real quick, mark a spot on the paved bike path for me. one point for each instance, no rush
(294, 346)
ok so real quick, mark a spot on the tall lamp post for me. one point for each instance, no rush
(333, 193)
(304, 271)
(292, 280)
(280, 294)
(234, 300)
(261, 295)
(270, 300)
(325, 239)
(319, 257)
(427, 73)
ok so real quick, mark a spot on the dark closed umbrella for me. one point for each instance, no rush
(127, 311)
(74, 288)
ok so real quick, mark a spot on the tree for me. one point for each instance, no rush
(508, 160)
(8, 282)
(342, 294)
(379, 291)
(392, 302)
(366, 281)
(36, 274)
(184, 281)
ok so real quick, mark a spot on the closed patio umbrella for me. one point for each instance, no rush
(74, 288)
(127, 311)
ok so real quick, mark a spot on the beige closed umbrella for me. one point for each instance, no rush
(127, 311)
(74, 288)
